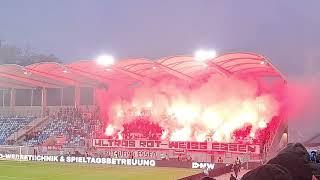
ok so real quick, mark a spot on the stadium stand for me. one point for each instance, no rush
(70, 123)
(75, 126)
(9, 125)
(66, 100)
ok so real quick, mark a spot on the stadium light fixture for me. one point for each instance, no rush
(105, 60)
(27, 73)
(204, 55)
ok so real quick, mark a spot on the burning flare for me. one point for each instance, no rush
(213, 110)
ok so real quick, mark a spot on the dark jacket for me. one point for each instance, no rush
(292, 163)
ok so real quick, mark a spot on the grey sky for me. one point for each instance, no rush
(287, 31)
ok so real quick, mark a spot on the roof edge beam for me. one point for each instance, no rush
(133, 75)
(26, 80)
(55, 77)
(219, 69)
(175, 73)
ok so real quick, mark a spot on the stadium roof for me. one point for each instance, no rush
(88, 73)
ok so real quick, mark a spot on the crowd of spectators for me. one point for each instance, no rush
(77, 126)
(261, 136)
(74, 125)
(142, 128)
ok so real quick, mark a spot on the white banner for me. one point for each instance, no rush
(198, 146)
(141, 154)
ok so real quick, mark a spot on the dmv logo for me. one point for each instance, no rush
(197, 165)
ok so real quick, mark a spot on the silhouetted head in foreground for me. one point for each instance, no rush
(292, 163)
(268, 171)
(232, 177)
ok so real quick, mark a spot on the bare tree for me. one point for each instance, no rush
(13, 55)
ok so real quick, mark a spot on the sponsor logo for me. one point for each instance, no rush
(202, 165)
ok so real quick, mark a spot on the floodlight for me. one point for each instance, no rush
(105, 60)
(27, 73)
(204, 55)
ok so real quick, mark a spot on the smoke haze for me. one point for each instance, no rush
(214, 109)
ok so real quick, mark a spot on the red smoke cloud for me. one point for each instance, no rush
(214, 109)
(303, 107)
(302, 96)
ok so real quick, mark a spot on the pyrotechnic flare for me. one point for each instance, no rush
(216, 108)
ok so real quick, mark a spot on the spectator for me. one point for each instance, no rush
(236, 170)
(313, 156)
(189, 158)
(206, 171)
(232, 177)
(292, 163)
(162, 156)
(35, 152)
